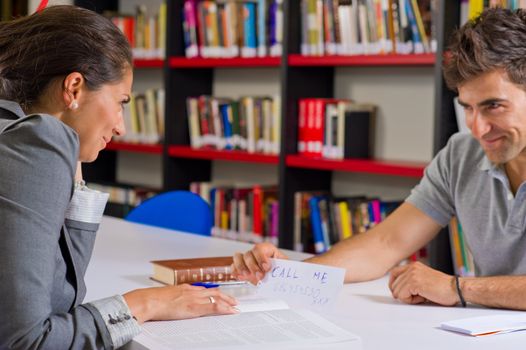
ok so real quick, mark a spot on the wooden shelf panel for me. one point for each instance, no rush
(370, 166)
(183, 62)
(135, 147)
(363, 60)
(234, 156)
(148, 63)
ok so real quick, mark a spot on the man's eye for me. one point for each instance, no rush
(493, 105)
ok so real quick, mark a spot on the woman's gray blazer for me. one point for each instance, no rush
(47, 232)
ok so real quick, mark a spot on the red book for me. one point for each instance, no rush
(258, 224)
(129, 30)
(302, 126)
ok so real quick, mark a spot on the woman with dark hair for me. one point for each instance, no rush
(65, 74)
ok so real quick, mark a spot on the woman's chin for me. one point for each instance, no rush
(88, 158)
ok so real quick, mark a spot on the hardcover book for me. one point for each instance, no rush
(179, 271)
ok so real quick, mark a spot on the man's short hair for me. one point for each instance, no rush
(494, 40)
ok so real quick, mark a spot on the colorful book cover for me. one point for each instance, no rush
(262, 18)
(316, 223)
(249, 28)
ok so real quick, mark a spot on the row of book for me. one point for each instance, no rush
(125, 195)
(144, 117)
(146, 33)
(251, 124)
(248, 214)
(462, 258)
(233, 28)
(357, 27)
(335, 128)
(469, 9)
(12, 9)
(321, 220)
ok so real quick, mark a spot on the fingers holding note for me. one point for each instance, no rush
(254, 264)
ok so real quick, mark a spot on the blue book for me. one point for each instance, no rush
(225, 112)
(317, 230)
(262, 15)
(272, 12)
(417, 41)
(249, 27)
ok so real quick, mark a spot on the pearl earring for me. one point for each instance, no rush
(74, 104)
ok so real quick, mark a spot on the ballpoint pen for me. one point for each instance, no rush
(218, 284)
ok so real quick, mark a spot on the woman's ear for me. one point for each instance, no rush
(73, 87)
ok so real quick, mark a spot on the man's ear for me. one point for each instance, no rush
(73, 87)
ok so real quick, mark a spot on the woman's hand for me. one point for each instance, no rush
(254, 264)
(178, 302)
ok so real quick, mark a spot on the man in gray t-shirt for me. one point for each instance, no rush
(478, 177)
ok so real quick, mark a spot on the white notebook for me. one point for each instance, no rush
(487, 325)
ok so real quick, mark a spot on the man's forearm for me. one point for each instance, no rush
(364, 257)
(505, 292)
(370, 255)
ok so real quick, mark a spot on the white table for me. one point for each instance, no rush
(123, 250)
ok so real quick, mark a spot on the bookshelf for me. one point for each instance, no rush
(445, 124)
(183, 77)
(211, 154)
(296, 60)
(239, 62)
(368, 166)
(148, 63)
(135, 147)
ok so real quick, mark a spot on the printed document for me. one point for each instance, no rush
(280, 329)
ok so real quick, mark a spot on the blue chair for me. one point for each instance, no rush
(177, 210)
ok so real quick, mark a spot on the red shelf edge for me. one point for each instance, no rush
(183, 62)
(237, 156)
(135, 147)
(427, 59)
(148, 63)
(407, 169)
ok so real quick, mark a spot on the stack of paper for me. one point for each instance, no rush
(265, 319)
(487, 325)
(281, 329)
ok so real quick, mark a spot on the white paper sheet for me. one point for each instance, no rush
(260, 304)
(487, 325)
(302, 284)
(280, 329)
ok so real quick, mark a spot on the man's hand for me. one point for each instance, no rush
(417, 283)
(253, 265)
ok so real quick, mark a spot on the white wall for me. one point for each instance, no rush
(405, 97)
(33, 4)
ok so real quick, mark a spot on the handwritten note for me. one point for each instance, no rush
(302, 284)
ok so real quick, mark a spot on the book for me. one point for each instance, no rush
(359, 131)
(487, 325)
(179, 271)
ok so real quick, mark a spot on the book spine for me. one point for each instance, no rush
(204, 274)
(250, 46)
(317, 231)
(262, 28)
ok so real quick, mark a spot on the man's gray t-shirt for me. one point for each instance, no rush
(461, 181)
